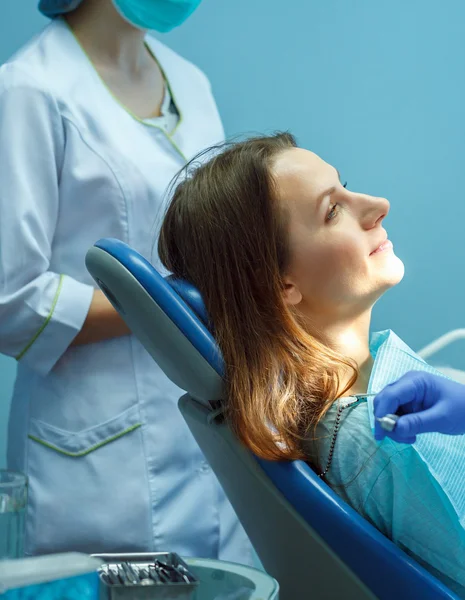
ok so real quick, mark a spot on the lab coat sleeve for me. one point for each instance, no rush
(40, 311)
(407, 504)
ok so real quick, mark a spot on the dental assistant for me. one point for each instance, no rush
(96, 118)
(426, 402)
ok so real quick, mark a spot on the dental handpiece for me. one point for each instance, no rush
(388, 422)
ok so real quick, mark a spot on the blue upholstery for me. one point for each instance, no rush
(167, 293)
(376, 561)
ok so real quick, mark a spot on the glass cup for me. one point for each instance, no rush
(13, 501)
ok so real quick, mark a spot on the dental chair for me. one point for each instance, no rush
(314, 544)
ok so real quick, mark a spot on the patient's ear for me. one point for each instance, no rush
(291, 293)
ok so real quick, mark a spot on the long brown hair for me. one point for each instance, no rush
(225, 232)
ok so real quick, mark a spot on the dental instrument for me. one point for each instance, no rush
(388, 422)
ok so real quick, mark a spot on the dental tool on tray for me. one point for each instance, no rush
(131, 574)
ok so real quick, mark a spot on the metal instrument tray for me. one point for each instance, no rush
(169, 590)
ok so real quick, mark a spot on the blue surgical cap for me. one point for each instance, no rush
(53, 8)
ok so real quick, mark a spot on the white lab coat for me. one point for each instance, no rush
(112, 466)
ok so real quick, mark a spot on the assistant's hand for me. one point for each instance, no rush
(426, 402)
(103, 322)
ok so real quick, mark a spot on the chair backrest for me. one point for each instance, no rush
(311, 541)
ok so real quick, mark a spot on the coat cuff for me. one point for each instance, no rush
(67, 314)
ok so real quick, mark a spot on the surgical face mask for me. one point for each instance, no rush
(160, 15)
(53, 8)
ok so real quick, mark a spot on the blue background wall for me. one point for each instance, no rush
(376, 88)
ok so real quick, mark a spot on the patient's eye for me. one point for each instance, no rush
(333, 212)
(334, 209)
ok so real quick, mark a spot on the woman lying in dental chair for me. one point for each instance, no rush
(290, 263)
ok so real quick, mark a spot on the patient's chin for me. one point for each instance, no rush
(393, 271)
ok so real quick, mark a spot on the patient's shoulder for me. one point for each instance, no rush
(357, 459)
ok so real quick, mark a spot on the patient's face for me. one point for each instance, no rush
(334, 233)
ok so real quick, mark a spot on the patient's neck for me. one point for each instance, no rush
(351, 338)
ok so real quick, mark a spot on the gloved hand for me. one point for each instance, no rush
(426, 402)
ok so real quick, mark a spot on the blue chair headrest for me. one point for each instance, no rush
(181, 302)
(191, 296)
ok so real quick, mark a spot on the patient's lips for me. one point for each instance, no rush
(386, 245)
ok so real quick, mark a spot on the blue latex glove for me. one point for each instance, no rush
(426, 402)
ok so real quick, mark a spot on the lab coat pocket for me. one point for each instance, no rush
(84, 442)
(88, 489)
